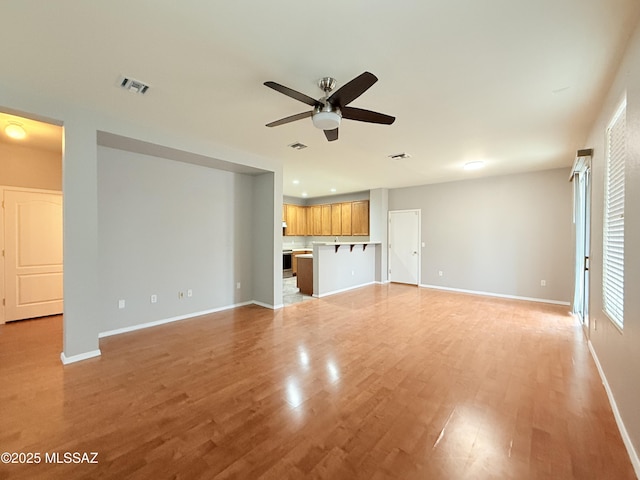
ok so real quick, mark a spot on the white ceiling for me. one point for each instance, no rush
(516, 83)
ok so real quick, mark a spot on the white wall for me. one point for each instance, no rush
(619, 352)
(499, 235)
(165, 227)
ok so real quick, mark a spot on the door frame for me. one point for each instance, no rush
(4, 188)
(582, 193)
(419, 242)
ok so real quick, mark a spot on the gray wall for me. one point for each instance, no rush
(499, 235)
(619, 352)
(378, 229)
(165, 227)
(82, 315)
(265, 290)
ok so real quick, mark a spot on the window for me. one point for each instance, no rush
(613, 252)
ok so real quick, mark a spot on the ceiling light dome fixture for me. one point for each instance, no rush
(327, 119)
(15, 131)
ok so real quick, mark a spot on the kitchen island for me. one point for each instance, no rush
(342, 266)
(305, 274)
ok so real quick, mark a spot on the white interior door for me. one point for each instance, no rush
(33, 254)
(404, 246)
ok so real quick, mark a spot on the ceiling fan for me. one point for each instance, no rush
(329, 110)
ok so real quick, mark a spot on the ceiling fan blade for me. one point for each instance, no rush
(352, 90)
(362, 115)
(331, 134)
(292, 118)
(292, 93)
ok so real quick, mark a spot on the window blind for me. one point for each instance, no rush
(613, 255)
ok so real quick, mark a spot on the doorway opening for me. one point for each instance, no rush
(31, 267)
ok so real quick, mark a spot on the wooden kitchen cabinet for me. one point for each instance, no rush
(294, 260)
(326, 220)
(360, 218)
(296, 218)
(336, 219)
(345, 218)
(304, 279)
(309, 226)
(301, 221)
(291, 214)
(316, 212)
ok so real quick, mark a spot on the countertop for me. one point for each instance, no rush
(305, 255)
(347, 243)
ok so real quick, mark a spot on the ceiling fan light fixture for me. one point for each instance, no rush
(326, 120)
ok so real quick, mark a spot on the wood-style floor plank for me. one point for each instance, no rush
(386, 381)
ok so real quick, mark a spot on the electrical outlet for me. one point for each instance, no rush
(154, 298)
(121, 303)
(180, 295)
(189, 293)
(440, 274)
(238, 285)
(353, 272)
(543, 283)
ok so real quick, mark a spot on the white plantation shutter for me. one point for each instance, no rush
(613, 261)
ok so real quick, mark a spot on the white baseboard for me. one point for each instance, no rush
(333, 292)
(266, 305)
(633, 455)
(77, 358)
(498, 295)
(155, 323)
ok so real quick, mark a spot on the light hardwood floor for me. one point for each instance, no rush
(381, 382)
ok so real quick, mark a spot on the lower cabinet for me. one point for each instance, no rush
(305, 276)
(294, 260)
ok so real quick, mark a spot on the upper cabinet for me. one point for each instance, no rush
(345, 220)
(360, 218)
(336, 219)
(316, 213)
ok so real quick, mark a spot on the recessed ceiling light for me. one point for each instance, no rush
(333, 190)
(304, 194)
(15, 131)
(474, 165)
(297, 146)
(296, 182)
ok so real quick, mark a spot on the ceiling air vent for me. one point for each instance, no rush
(399, 156)
(135, 86)
(298, 146)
